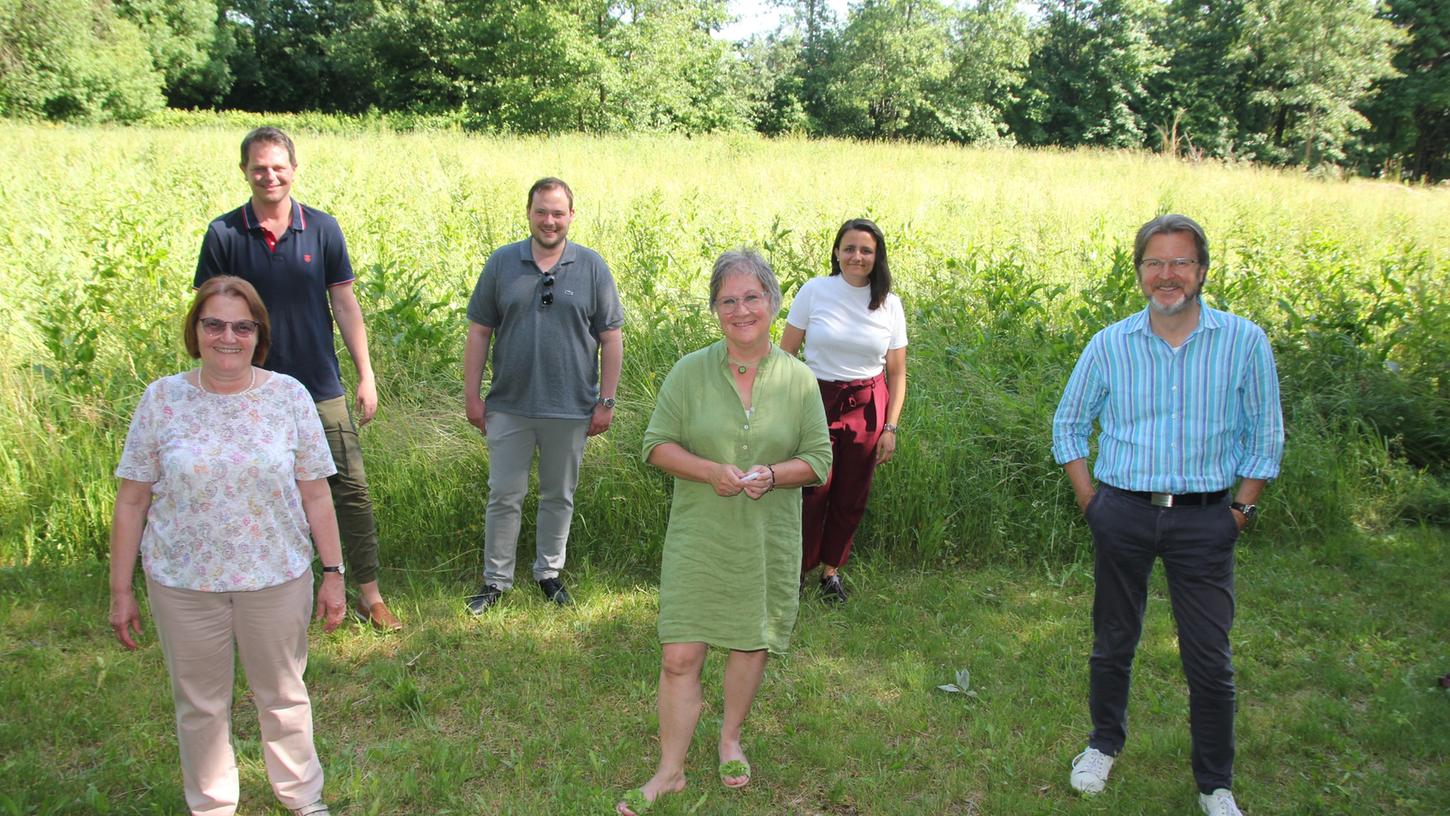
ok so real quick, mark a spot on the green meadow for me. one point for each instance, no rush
(972, 555)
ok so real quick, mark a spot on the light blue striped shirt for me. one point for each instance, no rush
(1185, 421)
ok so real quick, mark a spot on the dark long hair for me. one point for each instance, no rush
(880, 273)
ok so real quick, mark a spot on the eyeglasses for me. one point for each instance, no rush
(1176, 264)
(730, 305)
(240, 328)
(547, 298)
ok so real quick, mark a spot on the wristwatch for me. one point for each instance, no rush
(1248, 510)
(337, 569)
(607, 402)
(890, 426)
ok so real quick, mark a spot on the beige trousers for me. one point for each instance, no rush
(268, 628)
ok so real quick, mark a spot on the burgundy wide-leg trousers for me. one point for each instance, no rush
(830, 513)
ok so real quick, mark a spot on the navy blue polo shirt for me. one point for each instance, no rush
(292, 279)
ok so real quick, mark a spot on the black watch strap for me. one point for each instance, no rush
(1248, 510)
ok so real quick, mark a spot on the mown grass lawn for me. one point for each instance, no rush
(531, 710)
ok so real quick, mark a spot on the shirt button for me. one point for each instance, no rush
(745, 447)
(746, 426)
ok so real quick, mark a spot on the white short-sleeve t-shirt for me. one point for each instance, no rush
(225, 514)
(845, 339)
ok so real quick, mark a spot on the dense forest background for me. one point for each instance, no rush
(1331, 85)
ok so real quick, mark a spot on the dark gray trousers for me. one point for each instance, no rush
(1197, 548)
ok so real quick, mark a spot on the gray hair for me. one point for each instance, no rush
(1170, 223)
(745, 261)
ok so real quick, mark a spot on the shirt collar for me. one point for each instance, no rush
(721, 354)
(569, 255)
(1208, 318)
(249, 217)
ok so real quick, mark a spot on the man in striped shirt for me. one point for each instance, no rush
(1187, 399)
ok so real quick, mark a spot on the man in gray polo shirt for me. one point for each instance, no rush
(550, 310)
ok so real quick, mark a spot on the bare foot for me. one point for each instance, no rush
(658, 785)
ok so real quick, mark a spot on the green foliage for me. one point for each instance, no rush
(1411, 111)
(1087, 78)
(1199, 105)
(1315, 60)
(74, 59)
(283, 60)
(991, 64)
(892, 57)
(182, 38)
(532, 710)
(1277, 81)
(1004, 279)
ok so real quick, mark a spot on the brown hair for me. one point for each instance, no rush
(550, 183)
(230, 286)
(268, 135)
(1170, 223)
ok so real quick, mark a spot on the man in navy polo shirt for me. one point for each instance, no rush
(1187, 398)
(296, 258)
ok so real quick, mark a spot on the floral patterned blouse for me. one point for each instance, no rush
(226, 514)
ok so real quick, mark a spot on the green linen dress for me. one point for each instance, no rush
(730, 575)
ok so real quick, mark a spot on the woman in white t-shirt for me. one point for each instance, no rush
(223, 493)
(854, 331)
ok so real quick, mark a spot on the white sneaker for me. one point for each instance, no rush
(1090, 771)
(1219, 803)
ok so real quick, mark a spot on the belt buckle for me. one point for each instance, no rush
(1161, 500)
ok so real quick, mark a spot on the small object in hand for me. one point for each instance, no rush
(750, 477)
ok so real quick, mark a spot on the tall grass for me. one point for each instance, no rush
(1006, 261)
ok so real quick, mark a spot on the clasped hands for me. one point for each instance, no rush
(729, 480)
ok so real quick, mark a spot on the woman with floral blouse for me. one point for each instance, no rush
(223, 493)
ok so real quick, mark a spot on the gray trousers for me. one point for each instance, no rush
(512, 440)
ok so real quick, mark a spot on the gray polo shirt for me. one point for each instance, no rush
(545, 358)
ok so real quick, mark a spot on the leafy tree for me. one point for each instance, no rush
(1087, 78)
(671, 73)
(799, 95)
(182, 36)
(537, 66)
(404, 55)
(889, 69)
(1411, 112)
(74, 59)
(774, 86)
(1200, 101)
(990, 59)
(284, 54)
(1315, 61)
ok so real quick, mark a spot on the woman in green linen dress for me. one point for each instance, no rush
(740, 426)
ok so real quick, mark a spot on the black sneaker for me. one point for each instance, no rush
(486, 597)
(554, 591)
(831, 589)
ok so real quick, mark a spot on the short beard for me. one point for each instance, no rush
(1174, 310)
(557, 241)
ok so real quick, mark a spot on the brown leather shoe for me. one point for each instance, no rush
(379, 616)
